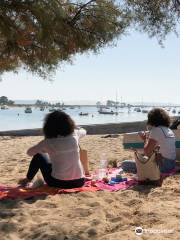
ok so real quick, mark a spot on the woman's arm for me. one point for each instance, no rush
(81, 132)
(38, 148)
(149, 146)
(144, 135)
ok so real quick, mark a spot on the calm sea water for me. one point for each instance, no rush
(15, 118)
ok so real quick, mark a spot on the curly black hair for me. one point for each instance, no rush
(58, 123)
(158, 117)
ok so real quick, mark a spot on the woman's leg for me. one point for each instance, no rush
(84, 161)
(167, 165)
(39, 162)
(67, 184)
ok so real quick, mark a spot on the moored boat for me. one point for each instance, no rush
(137, 109)
(83, 114)
(42, 108)
(52, 109)
(145, 111)
(28, 110)
(104, 111)
(4, 107)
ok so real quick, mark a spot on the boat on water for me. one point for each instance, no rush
(52, 109)
(137, 109)
(71, 107)
(145, 111)
(174, 111)
(4, 107)
(105, 111)
(83, 114)
(28, 110)
(60, 109)
(42, 108)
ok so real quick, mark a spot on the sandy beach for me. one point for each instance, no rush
(86, 215)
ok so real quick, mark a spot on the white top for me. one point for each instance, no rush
(165, 138)
(64, 155)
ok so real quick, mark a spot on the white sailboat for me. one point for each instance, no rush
(4, 107)
(105, 111)
(116, 106)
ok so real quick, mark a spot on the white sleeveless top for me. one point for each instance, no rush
(64, 155)
(166, 139)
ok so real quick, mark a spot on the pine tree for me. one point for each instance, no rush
(38, 35)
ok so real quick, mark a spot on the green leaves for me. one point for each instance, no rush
(41, 34)
(5, 101)
(157, 18)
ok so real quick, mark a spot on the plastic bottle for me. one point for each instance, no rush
(102, 167)
(121, 171)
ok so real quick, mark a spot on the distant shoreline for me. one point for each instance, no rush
(93, 105)
(95, 129)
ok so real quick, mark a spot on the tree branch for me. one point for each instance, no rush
(177, 5)
(73, 20)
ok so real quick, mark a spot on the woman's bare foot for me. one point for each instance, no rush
(88, 176)
(24, 182)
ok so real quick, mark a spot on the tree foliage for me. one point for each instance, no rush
(156, 17)
(40, 34)
(5, 101)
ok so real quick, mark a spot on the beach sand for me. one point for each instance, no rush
(86, 215)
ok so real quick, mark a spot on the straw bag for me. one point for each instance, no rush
(84, 160)
(147, 167)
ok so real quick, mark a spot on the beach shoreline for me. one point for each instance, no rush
(94, 129)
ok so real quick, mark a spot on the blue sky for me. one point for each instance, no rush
(138, 68)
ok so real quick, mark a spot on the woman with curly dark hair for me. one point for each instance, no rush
(57, 155)
(161, 135)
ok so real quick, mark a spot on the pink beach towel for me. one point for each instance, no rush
(90, 186)
(7, 192)
(24, 193)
